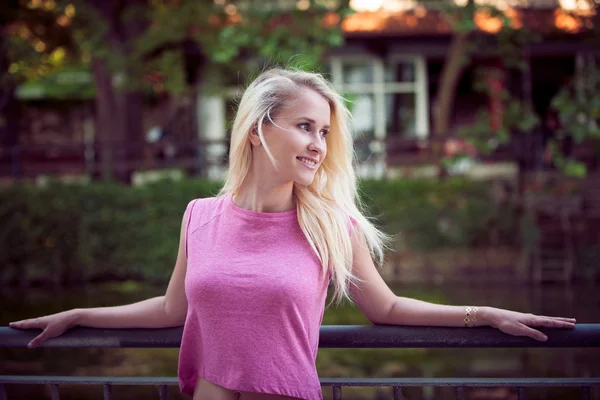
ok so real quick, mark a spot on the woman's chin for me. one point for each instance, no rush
(304, 180)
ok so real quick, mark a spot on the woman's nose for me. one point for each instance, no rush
(317, 144)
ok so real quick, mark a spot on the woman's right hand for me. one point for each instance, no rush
(52, 326)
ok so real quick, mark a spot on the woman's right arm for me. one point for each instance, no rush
(158, 312)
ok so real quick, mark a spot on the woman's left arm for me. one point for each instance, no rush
(381, 306)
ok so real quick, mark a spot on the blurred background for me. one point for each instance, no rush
(477, 131)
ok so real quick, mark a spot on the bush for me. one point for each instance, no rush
(71, 233)
(428, 214)
(76, 233)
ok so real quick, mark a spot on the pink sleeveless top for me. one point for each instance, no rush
(256, 299)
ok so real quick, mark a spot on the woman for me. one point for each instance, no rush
(254, 263)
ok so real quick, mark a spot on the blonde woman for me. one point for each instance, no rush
(254, 263)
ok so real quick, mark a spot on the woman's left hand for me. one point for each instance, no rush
(520, 324)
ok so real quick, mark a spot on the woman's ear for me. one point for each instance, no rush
(253, 136)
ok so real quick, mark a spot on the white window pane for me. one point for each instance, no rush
(231, 106)
(400, 114)
(362, 107)
(327, 71)
(400, 72)
(357, 72)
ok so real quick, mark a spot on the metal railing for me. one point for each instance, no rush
(199, 156)
(582, 336)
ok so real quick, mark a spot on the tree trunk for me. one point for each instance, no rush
(444, 100)
(119, 112)
(107, 126)
(134, 134)
(451, 73)
(9, 110)
(133, 106)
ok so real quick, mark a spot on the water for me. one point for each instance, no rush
(581, 302)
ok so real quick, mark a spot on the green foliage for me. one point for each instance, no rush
(228, 34)
(428, 214)
(106, 231)
(578, 103)
(96, 231)
(516, 118)
(578, 108)
(68, 82)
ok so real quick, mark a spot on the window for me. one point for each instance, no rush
(388, 97)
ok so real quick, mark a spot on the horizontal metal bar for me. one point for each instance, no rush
(466, 382)
(388, 336)
(331, 336)
(88, 380)
(341, 382)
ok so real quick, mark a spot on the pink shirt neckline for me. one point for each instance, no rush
(257, 214)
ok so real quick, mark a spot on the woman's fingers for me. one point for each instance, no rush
(535, 334)
(36, 323)
(573, 320)
(38, 340)
(28, 324)
(50, 332)
(550, 323)
(559, 324)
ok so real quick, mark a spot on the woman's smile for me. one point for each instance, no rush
(308, 162)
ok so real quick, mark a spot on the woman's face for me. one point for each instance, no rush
(296, 139)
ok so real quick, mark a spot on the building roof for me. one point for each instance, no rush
(420, 21)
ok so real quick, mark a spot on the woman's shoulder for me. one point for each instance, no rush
(203, 208)
(205, 202)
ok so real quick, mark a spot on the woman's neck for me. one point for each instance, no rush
(261, 197)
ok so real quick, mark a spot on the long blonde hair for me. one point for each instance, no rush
(325, 207)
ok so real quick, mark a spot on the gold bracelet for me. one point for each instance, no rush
(471, 315)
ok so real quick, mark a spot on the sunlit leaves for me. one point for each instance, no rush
(227, 33)
(166, 66)
(516, 116)
(578, 107)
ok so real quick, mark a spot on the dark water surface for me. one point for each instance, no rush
(581, 302)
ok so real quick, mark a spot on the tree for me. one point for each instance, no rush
(474, 27)
(126, 41)
(578, 109)
(13, 47)
(475, 24)
(7, 86)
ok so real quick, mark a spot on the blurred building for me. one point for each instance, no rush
(391, 64)
(390, 69)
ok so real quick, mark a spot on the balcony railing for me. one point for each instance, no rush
(200, 157)
(582, 336)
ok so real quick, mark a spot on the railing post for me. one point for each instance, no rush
(586, 393)
(3, 395)
(54, 395)
(522, 394)
(337, 393)
(15, 161)
(398, 393)
(107, 391)
(460, 393)
(162, 392)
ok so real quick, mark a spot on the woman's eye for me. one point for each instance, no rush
(324, 133)
(305, 127)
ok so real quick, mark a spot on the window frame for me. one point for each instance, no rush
(379, 88)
